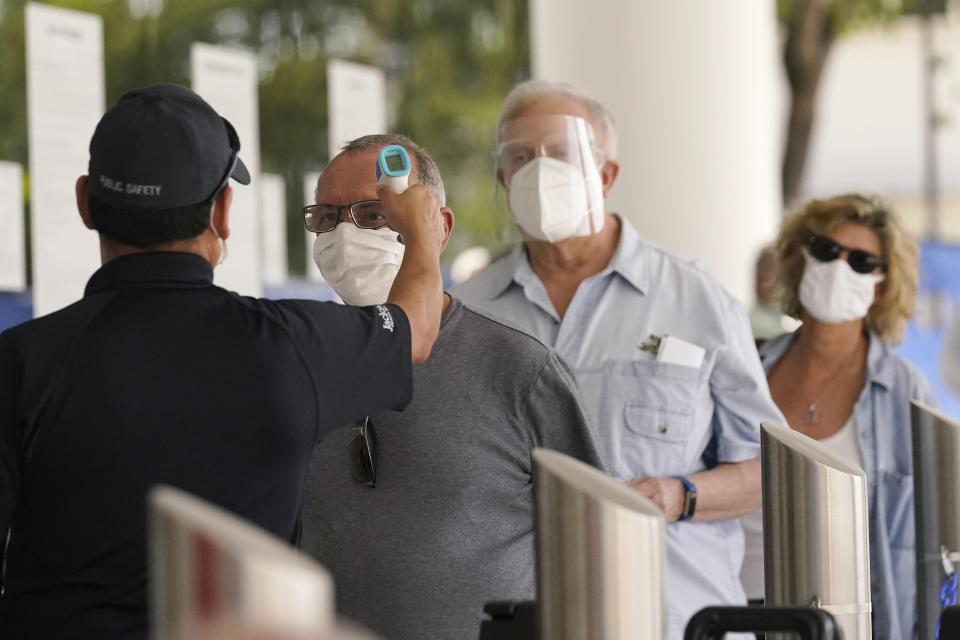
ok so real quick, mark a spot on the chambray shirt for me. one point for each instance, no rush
(654, 418)
(882, 417)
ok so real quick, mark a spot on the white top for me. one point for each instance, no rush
(844, 443)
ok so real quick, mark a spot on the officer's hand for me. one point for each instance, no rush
(667, 493)
(414, 214)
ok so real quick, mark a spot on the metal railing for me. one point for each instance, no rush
(936, 491)
(216, 576)
(601, 555)
(815, 530)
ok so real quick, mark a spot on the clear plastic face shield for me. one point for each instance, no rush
(548, 177)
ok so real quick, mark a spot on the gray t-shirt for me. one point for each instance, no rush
(449, 525)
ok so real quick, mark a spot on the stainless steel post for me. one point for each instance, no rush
(601, 555)
(936, 500)
(815, 529)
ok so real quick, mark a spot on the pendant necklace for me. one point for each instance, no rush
(812, 415)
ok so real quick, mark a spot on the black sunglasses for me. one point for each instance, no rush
(363, 453)
(826, 250)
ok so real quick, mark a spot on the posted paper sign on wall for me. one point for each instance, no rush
(273, 229)
(64, 103)
(13, 267)
(227, 79)
(357, 102)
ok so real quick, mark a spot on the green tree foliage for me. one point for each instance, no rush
(448, 64)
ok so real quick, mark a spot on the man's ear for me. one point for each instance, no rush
(500, 178)
(83, 202)
(446, 214)
(608, 175)
(221, 212)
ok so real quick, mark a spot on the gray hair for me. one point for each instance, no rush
(529, 91)
(428, 174)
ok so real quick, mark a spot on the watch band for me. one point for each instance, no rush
(690, 502)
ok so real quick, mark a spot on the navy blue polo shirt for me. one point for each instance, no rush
(159, 376)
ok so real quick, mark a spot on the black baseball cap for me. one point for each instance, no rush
(162, 147)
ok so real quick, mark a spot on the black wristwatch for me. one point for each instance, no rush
(690, 502)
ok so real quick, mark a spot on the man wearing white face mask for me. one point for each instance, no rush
(663, 355)
(424, 516)
(359, 263)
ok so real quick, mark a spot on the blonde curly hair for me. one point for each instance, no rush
(888, 315)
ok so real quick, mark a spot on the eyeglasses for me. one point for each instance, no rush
(363, 453)
(514, 154)
(366, 214)
(826, 250)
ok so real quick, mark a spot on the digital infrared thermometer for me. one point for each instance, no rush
(393, 168)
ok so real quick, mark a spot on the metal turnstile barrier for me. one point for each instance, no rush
(601, 555)
(215, 576)
(936, 491)
(815, 530)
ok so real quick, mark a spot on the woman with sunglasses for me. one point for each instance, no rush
(848, 271)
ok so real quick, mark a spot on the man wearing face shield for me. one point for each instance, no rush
(662, 353)
(424, 516)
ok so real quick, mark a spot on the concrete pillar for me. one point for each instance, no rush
(694, 89)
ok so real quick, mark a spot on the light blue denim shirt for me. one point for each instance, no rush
(882, 417)
(654, 418)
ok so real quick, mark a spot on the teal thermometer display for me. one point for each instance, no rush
(393, 168)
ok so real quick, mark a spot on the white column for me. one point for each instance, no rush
(693, 87)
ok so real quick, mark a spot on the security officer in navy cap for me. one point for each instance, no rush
(158, 376)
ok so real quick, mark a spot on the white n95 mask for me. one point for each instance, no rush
(552, 200)
(360, 264)
(832, 292)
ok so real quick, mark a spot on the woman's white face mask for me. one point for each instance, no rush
(832, 292)
(360, 264)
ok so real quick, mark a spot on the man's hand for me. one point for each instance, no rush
(415, 215)
(668, 494)
(418, 287)
(727, 491)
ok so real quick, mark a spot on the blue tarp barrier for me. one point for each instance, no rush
(15, 308)
(938, 298)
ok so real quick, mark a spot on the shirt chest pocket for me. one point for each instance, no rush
(659, 416)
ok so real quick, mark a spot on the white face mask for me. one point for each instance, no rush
(832, 292)
(223, 243)
(360, 264)
(552, 200)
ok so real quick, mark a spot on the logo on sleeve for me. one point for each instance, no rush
(385, 317)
